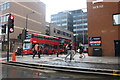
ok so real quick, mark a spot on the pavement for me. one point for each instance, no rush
(88, 64)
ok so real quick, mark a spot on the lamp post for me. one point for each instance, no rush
(76, 36)
(83, 27)
(25, 29)
(83, 37)
(27, 18)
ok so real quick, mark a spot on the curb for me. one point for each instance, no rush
(101, 63)
(106, 72)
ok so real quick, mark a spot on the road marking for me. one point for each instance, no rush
(40, 66)
(116, 73)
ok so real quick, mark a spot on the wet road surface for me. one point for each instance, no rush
(15, 72)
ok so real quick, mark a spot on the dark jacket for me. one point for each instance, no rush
(69, 47)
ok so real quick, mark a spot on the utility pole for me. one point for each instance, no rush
(27, 19)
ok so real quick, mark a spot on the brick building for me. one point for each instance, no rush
(102, 33)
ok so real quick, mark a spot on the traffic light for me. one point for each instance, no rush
(4, 28)
(23, 35)
(19, 36)
(47, 32)
(11, 23)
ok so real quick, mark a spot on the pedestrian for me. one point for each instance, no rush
(69, 51)
(19, 51)
(80, 50)
(36, 51)
(73, 51)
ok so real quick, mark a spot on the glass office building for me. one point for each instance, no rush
(75, 21)
(63, 19)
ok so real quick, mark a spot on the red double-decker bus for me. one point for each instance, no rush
(48, 44)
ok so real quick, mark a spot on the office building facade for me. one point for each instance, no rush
(63, 19)
(60, 32)
(30, 15)
(76, 21)
(80, 28)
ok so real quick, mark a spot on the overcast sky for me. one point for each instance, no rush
(55, 6)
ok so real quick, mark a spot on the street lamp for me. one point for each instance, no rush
(83, 27)
(25, 30)
(83, 37)
(27, 18)
(76, 35)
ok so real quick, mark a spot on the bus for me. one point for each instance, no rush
(48, 44)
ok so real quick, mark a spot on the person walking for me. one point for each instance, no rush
(36, 51)
(19, 51)
(80, 50)
(69, 51)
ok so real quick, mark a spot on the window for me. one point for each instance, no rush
(3, 18)
(5, 6)
(116, 19)
(1, 7)
(58, 31)
(55, 46)
(27, 45)
(64, 20)
(54, 30)
(65, 24)
(69, 35)
(63, 33)
(80, 29)
(28, 36)
(8, 5)
(65, 28)
(83, 24)
(58, 24)
(42, 46)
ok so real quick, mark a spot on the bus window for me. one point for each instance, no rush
(61, 46)
(50, 46)
(55, 46)
(27, 45)
(41, 46)
(46, 46)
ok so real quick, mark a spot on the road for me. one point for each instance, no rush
(9, 71)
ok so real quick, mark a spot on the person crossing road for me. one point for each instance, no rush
(70, 51)
(80, 50)
(36, 51)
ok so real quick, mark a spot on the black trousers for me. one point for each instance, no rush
(36, 52)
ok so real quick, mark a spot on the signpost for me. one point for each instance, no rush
(95, 41)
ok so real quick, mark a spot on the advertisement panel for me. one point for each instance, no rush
(95, 41)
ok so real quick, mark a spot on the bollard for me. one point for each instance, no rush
(14, 56)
